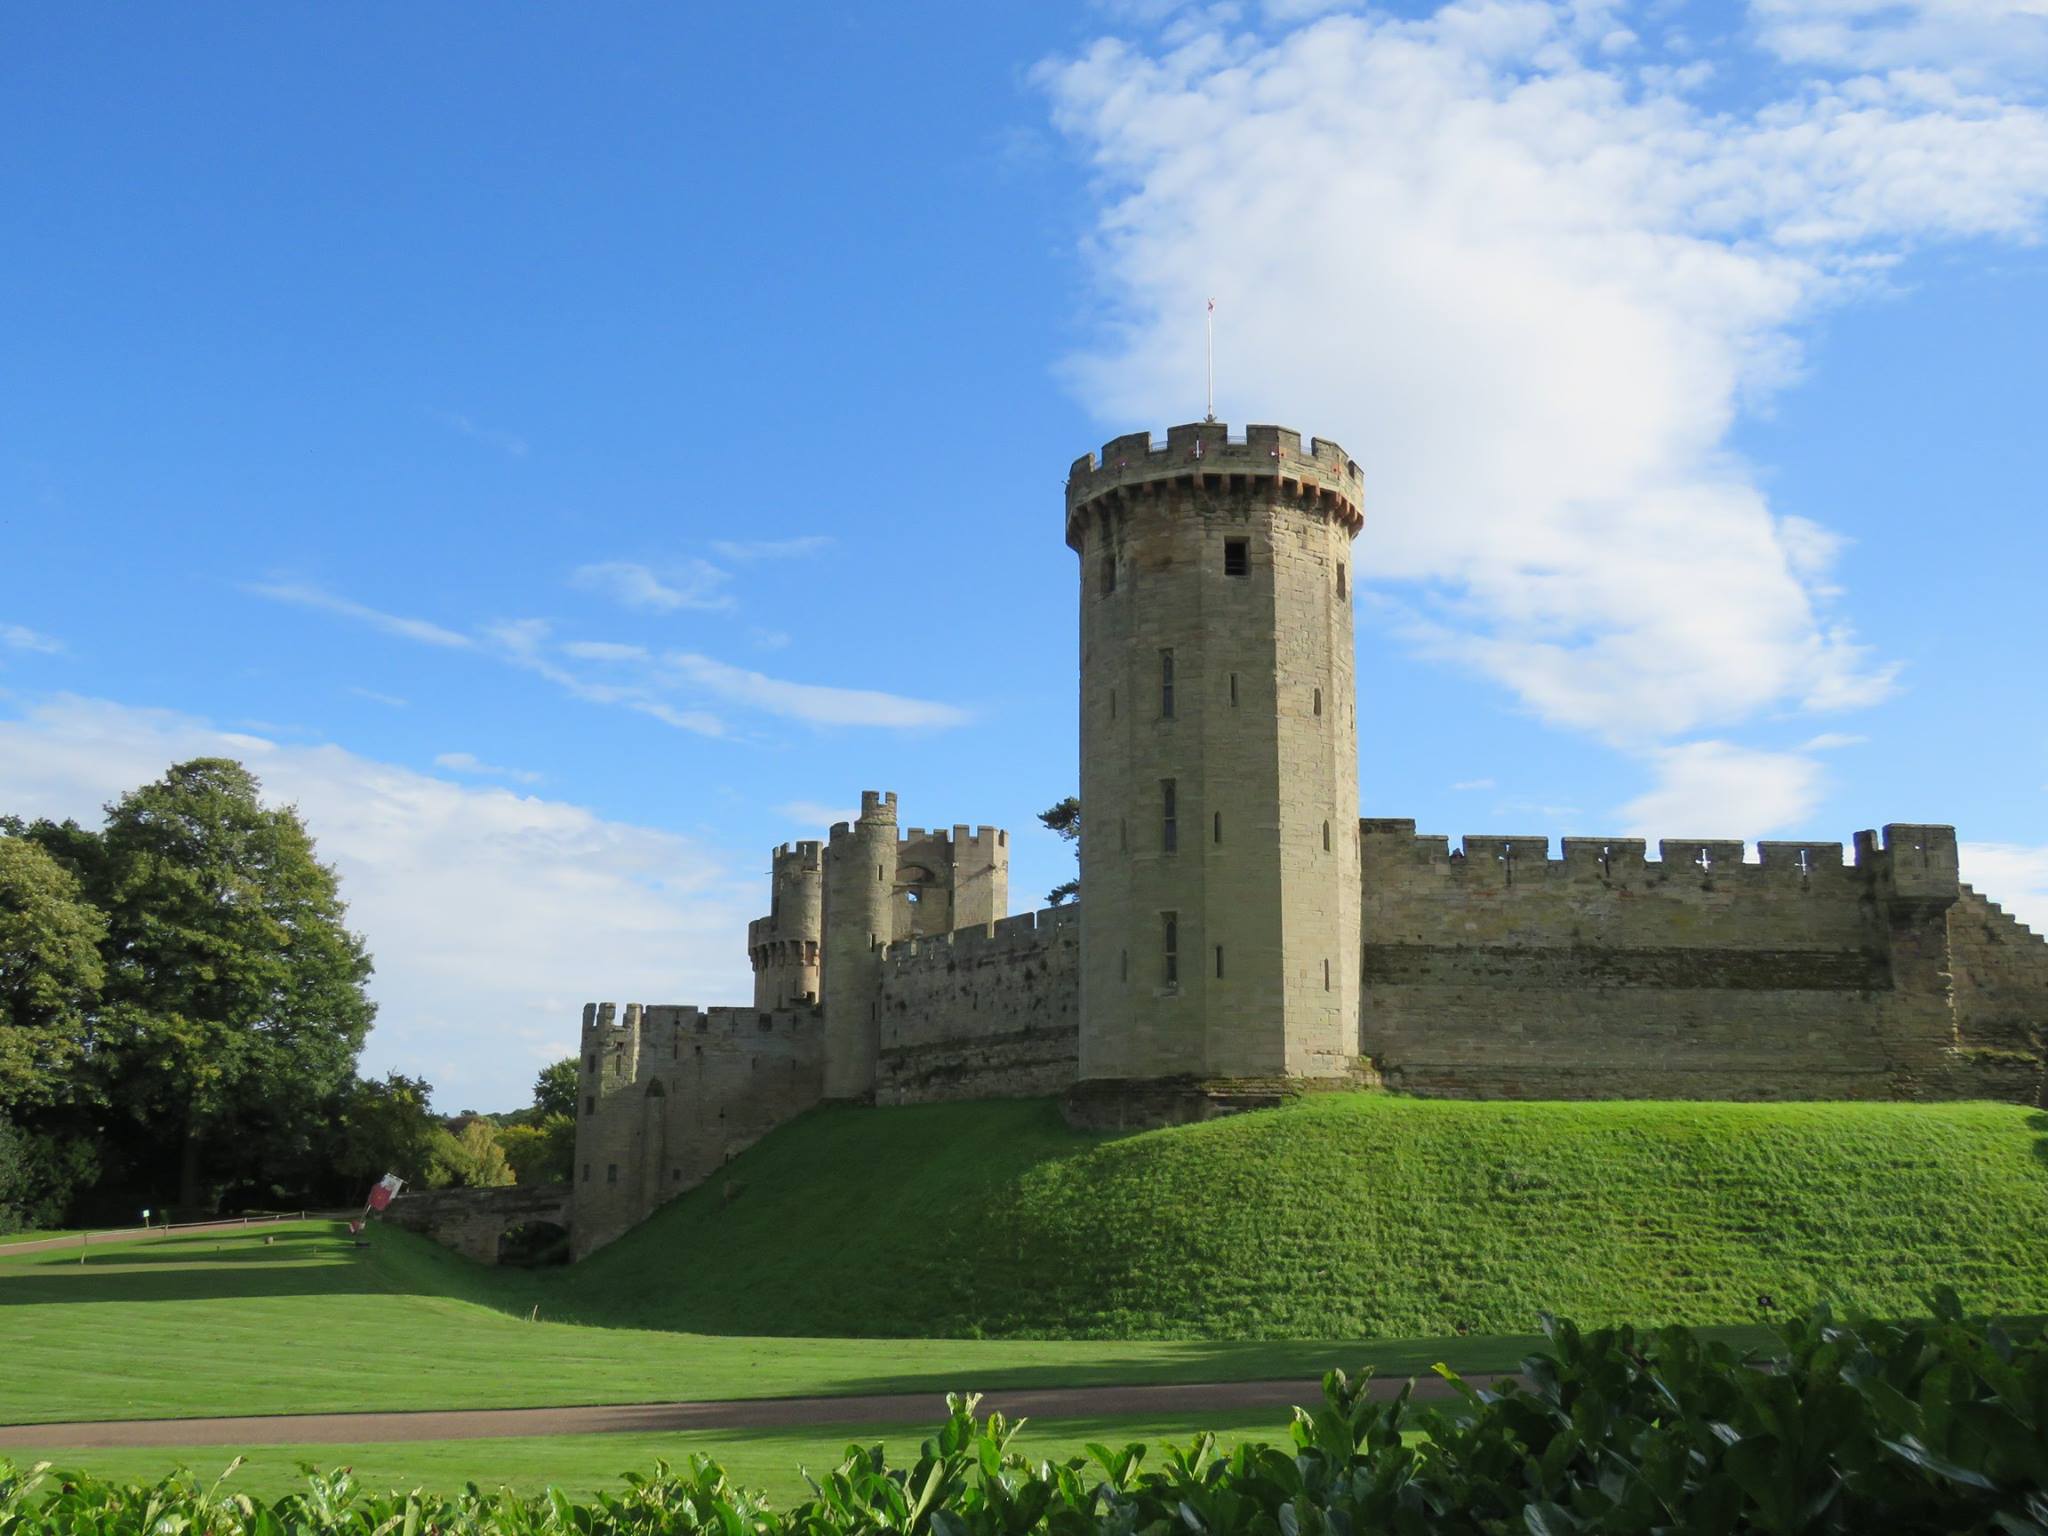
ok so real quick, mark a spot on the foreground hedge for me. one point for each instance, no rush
(1940, 1426)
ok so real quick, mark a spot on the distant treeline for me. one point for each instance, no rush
(182, 1007)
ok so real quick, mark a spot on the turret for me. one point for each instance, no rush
(860, 884)
(1219, 754)
(785, 946)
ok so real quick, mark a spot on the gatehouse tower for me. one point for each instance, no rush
(1219, 755)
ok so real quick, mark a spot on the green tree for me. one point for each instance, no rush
(50, 975)
(235, 996)
(478, 1162)
(1064, 820)
(543, 1153)
(554, 1091)
(387, 1127)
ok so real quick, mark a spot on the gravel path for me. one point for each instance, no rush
(746, 1413)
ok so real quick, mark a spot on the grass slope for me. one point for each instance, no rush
(227, 1323)
(1341, 1216)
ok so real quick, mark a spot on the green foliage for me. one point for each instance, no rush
(1340, 1216)
(387, 1127)
(1064, 820)
(1915, 1429)
(540, 1154)
(554, 1090)
(39, 1175)
(474, 1157)
(50, 974)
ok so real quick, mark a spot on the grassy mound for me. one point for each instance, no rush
(1342, 1216)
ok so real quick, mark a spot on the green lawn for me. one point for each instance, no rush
(1419, 1230)
(227, 1323)
(767, 1459)
(1341, 1216)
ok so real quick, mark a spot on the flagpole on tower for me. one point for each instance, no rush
(1209, 330)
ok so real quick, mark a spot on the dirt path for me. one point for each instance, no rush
(88, 1240)
(748, 1413)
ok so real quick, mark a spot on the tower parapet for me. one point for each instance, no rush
(1318, 474)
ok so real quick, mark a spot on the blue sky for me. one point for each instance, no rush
(568, 452)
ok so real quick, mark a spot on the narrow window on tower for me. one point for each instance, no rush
(1219, 827)
(1319, 701)
(1123, 836)
(1172, 947)
(1169, 817)
(1233, 690)
(611, 1173)
(1219, 962)
(1112, 703)
(1326, 975)
(1237, 559)
(1166, 685)
(1326, 837)
(1340, 578)
(1123, 965)
(1108, 574)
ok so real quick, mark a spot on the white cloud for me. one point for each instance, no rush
(389, 700)
(1712, 788)
(1470, 784)
(17, 637)
(2013, 875)
(604, 650)
(773, 549)
(693, 584)
(492, 916)
(301, 595)
(1979, 39)
(768, 639)
(815, 815)
(810, 701)
(1530, 287)
(469, 762)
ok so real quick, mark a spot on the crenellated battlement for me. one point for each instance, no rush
(1025, 930)
(1908, 861)
(791, 857)
(1208, 454)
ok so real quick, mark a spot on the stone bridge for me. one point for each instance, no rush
(473, 1221)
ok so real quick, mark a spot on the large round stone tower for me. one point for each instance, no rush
(859, 914)
(1219, 755)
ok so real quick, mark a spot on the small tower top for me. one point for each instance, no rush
(1318, 471)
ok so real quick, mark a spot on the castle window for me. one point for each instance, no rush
(1108, 574)
(1219, 827)
(675, 1175)
(1169, 820)
(586, 1173)
(774, 906)
(1219, 962)
(1326, 975)
(611, 1173)
(1319, 701)
(590, 1062)
(1112, 703)
(1166, 685)
(1233, 690)
(1237, 559)
(1326, 837)
(1340, 578)
(590, 1103)
(1123, 836)
(1170, 922)
(1123, 965)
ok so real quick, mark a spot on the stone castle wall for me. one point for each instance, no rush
(982, 1013)
(1499, 972)
(669, 1095)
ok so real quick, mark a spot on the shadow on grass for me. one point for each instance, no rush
(2039, 1123)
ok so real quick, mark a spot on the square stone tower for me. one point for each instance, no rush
(1219, 755)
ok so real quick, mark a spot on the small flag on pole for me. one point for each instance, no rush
(382, 1191)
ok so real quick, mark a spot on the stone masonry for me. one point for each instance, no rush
(1244, 929)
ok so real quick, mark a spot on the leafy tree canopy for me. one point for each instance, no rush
(50, 974)
(554, 1091)
(1064, 820)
